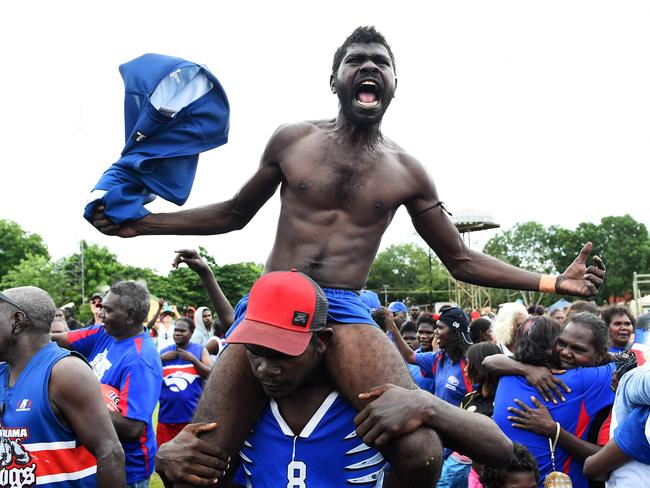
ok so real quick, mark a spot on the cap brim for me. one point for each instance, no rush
(285, 341)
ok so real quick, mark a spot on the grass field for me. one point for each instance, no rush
(155, 482)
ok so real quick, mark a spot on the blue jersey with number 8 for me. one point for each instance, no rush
(326, 453)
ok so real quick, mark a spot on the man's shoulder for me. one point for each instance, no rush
(291, 132)
(409, 162)
(91, 334)
(136, 349)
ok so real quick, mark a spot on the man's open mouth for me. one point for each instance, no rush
(368, 94)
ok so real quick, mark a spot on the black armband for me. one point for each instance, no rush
(439, 204)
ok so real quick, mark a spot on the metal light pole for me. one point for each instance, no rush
(82, 245)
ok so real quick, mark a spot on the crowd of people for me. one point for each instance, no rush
(310, 385)
(539, 375)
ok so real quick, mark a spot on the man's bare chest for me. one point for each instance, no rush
(341, 180)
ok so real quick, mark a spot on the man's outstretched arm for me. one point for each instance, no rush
(395, 411)
(464, 264)
(218, 218)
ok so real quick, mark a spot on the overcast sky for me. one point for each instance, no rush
(526, 110)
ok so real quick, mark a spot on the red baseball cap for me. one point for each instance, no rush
(284, 308)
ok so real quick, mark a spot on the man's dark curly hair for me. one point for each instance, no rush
(522, 462)
(361, 35)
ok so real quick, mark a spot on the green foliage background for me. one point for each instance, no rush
(407, 270)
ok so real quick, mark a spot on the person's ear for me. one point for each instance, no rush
(130, 317)
(333, 83)
(18, 323)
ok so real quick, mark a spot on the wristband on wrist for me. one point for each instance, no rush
(547, 283)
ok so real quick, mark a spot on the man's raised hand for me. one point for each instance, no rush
(192, 259)
(580, 280)
(106, 226)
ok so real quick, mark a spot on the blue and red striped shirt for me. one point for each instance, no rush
(35, 447)
(133, 367)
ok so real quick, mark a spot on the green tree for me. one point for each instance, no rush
(527, 246)
(236, 279)
(37, 270)
(408, 268)
(622, 243)
(17, 245)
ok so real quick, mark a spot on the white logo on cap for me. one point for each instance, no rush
(456, 324)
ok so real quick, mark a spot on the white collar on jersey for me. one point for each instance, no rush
(313, 422)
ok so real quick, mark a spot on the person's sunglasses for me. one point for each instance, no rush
(8, 300)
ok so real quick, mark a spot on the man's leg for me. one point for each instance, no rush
(361, 357)
(234, 398)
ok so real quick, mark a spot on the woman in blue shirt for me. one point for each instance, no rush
(447, 365)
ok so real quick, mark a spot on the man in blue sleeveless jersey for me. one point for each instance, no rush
(305, 436)
(55, 430)
(124, 357)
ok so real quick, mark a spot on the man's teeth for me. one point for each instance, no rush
(368, 82)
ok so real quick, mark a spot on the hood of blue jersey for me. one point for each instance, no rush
(173, 110)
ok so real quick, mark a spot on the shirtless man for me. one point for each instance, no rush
(330, 226)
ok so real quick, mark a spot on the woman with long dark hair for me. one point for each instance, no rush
(481, 400)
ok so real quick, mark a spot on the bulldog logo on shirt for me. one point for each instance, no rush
(18, 470)
(179, 381)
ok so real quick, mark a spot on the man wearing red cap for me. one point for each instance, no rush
(330, 226)
(306, 434)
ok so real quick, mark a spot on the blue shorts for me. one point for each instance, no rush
(345, 307)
